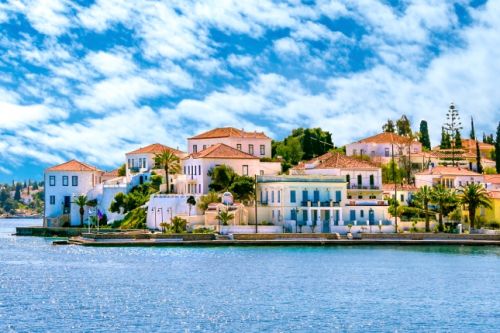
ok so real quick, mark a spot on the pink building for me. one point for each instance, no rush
(254, 143)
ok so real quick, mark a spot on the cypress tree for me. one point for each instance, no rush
(485, 140)
(497, 149)
(424, 135)
(17, 194)
(458, 139)
(478, 158)
(472, 131)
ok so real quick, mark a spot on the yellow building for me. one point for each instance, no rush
(492, 214)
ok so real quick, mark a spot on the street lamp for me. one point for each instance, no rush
(161, 210)
(153, 210)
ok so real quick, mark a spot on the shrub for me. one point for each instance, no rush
(493, 225)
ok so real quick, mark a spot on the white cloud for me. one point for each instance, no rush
(287, 46)
(240, 60)
(111, 63)
(15, 116)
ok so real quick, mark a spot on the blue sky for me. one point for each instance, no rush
(94, 79)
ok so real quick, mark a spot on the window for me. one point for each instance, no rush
(279, 196)
(195, 148)
(199, 188)
(144, 163)
(338, 196)
(305, 195)
(402, 197)
(74, 180)
(400, 150)
(250, 149)
(245, 170)
(387, 152)
(129, 163)
(262, 149)
(52, 199)
(372, 180)
(293, 198)
(361, 213)
(272, 196)
(204, 147)
(65, 181)
(184, 169)
(362, 152)
(360, 180)
(52, 180)
(199, 170)
(238, 146)
(360, 197)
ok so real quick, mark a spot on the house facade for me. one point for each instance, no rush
(63, 183)
(315, 203)
(196, 166)
(254, 143)
(380, 147)
(449, 177)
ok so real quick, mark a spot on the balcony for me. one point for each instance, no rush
(362, 187)
(134, 169)
(321, 203)
(263, 202)
(367, 203)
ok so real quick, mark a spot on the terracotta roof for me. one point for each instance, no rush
(229, 132)
(471, 145)
(448, 171)
(221, 150)
(155, 148)
(494, 179)
(335, 160)
(73, 165)
(494, 194)
(387, 137)
(399, 187)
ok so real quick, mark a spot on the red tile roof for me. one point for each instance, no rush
(448, 171)
(335, 160)
(229, 132)
(221, 150)
(399, 187)
(494, 179)
(494, 194)
(387, 137)
(73, 165)
(155, 148)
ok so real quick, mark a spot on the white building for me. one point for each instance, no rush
(316, 202)
(253, 143)
(449, 177)
(380, 147)
(63, 183)
(140, 163)
(195, 167)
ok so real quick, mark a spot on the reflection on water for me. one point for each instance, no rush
(307, 289)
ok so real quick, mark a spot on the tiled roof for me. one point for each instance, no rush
(399, 187)
(155, 148)
(494, 194)
(229, 132)
(448, 171)
(221, 150)
(471, 145)
(73, 165)
(387, 137)
(494, 179)
(335, 160)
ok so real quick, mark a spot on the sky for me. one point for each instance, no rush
(92, 80)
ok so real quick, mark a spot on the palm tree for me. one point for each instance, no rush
(81, 201)
(191, 201)
(224, 216)
(424, 197)
(442, 197)
(169, 162)
(474, 196)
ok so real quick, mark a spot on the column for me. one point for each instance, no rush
(309, 215)
(341, 221)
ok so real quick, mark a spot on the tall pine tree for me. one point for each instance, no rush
(424, 135)
(472, 131)
(497, 149)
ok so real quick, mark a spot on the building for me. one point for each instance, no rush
(141, 162)
(492, 182)
(195, 167)
(381, 146)
(254, 143)
(317, 203)
(63, 183)
(403, 193)
(449, 177)
(493, 214)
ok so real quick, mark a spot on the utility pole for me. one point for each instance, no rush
(395, 188)
(255, 199)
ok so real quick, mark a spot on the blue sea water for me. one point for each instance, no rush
(46, 288)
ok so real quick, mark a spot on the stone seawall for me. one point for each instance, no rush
(431, 236)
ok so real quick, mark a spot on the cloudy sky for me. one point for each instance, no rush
(94, 79)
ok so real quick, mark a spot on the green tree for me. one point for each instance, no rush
(403, 126)
(472, 131)
(243, 188)
(445, 140)
(458, 139)
(169, 162)
(122, 170)
(478, 159)
(81, 201)
(443, 198)
(17, 194)
(224, 216)
(474, 196)
(424, 135)
(207, 199)
(222, 176)
(423, 197)
(291, 150)
(453, 126)
(191, 201)
(389, 126)
(178, 225)
(497, 149)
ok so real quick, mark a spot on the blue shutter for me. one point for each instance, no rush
(338, 196)
(352, 215)
(292, 197)
(316, 196)
(293, 214)
(304, 196)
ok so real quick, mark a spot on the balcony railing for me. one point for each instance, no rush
(134, 169)
(321, 203)
(367, 203)
(362, 187)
